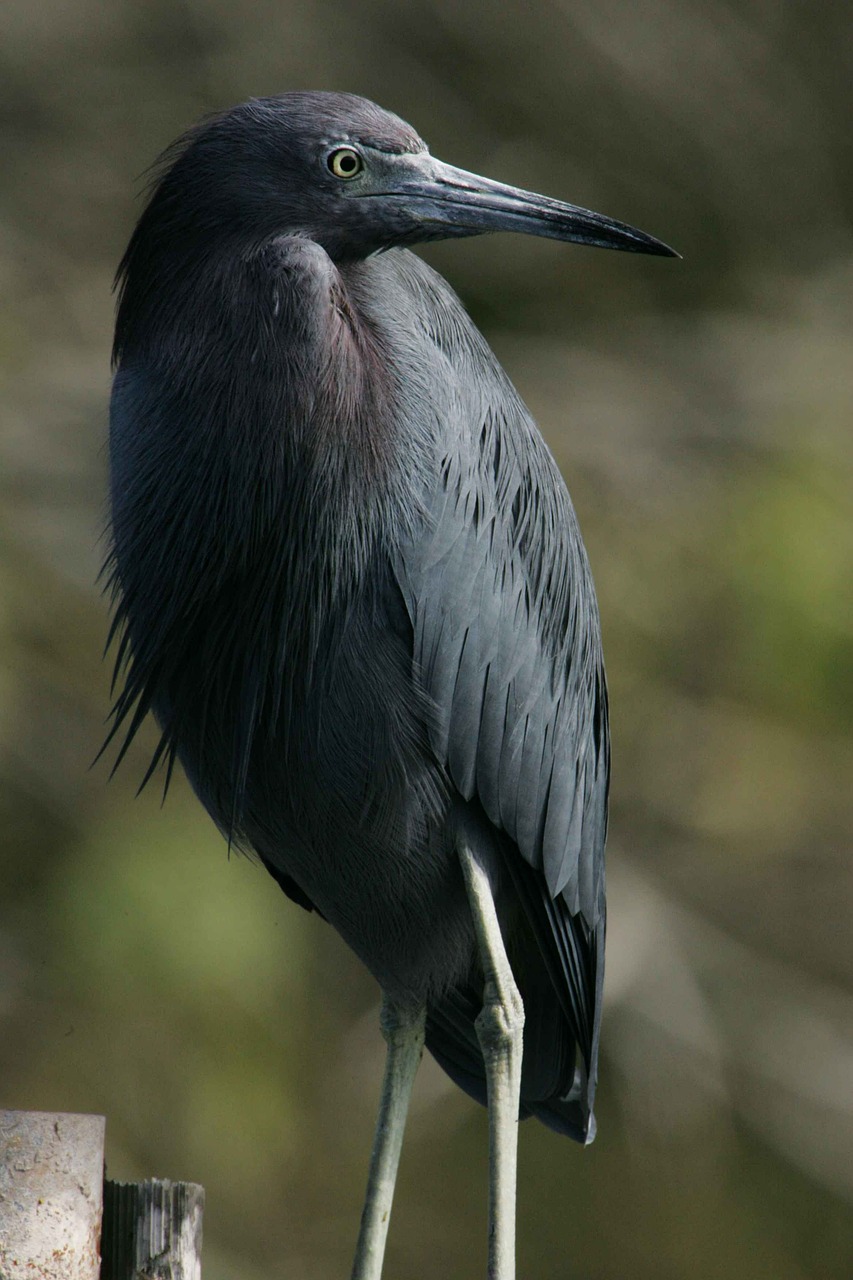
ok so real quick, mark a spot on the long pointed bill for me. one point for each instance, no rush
(449, 202)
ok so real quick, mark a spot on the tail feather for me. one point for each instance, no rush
(553, 1088)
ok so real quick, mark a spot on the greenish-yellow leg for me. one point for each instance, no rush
(500, 1028)
(403, 1030)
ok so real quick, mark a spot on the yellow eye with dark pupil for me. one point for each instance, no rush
(345, 163)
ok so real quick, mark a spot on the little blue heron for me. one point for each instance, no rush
(350, 585)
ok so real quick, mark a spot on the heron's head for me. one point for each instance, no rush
(354, 178)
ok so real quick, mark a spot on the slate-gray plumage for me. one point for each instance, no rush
(347, 573)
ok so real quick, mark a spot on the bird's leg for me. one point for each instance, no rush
(403, 1029)
(499, 1029)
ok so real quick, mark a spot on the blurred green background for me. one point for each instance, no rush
(701, 412)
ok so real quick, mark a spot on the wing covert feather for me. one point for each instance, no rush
(507, 643)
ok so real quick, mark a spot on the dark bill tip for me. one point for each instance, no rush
(582, 226)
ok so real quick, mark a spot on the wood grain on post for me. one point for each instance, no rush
(51, 1184)
(152, 1230)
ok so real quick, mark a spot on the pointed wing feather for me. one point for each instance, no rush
(507, 643)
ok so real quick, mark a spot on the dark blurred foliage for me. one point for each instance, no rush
(702, 413)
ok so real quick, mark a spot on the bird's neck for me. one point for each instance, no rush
(273, 391)
(253, 481)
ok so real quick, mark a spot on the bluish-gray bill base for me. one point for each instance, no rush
(350, 585)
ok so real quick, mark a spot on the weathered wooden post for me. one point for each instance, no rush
(59, 1219)
(51, 1187)
(152, 1230)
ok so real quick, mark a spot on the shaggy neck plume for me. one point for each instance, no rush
(263, 511)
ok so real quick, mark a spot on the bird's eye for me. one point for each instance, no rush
(345, 163)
